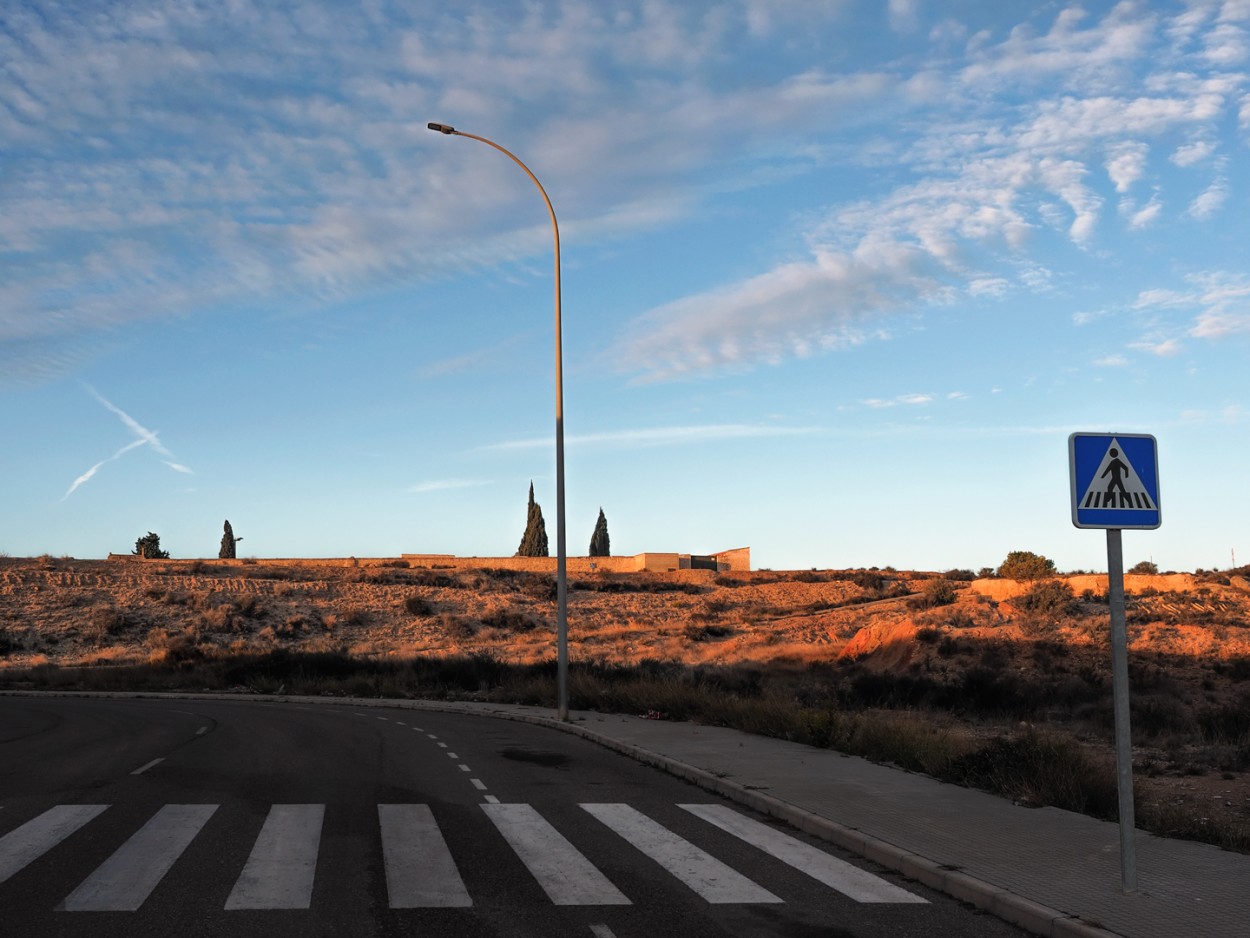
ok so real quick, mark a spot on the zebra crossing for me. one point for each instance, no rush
(420, 870)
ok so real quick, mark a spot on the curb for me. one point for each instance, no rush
(1001, 903)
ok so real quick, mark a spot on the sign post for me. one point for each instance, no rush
(1115, 485)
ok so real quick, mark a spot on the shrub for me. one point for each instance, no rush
(1026, 565)
(868, 580)
(418, 606)
(938, 592)
(701, 633)
(509, 620)
(1144, 567)
(1048, 598)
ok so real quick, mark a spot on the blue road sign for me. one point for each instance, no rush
(1114, 479)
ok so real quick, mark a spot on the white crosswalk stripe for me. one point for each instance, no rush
(123, 881)
(280, 870)
(846, 878)
(420, 870)
(39, 835)
(565, 874)
(698, 869)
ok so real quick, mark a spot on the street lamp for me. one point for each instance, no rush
(562, 585)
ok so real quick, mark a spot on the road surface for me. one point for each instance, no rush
(187, 818)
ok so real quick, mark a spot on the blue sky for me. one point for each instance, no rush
(839, 277)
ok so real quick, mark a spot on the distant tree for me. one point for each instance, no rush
(149, 547)
(1026, 565)
(534, 541)
(1144, 567)
(600, 545)
(228, 542)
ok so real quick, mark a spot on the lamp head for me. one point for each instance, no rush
(442, 128)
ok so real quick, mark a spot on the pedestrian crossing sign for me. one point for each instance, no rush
(1114, 479)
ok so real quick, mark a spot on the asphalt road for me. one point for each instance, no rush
(189, 817)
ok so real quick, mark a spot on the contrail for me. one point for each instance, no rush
(145, 437)
(148, 436)
(92, 471)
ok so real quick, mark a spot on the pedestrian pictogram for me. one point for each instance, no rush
(1115, 480)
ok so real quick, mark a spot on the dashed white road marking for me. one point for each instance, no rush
(562, 871)
(123, 881)
(702, 872)
(144, 768)
(478, 784)
(602, 931)
(279, 872)
(420, 871)
(491, 799)
(452, 755)
(442, 745)
(846, 878)
(39, 835)
(463, 768)
(201, 731)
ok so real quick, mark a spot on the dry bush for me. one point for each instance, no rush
(459, 627)
(418, 606)
(103, 622)
(352, 618)
(424, 577)
(701, 633)
(509, 620)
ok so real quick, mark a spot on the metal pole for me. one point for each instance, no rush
(1123, 735)
(562, 586)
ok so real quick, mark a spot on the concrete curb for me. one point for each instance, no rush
(997, 901)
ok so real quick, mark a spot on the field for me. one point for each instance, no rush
(994, 683)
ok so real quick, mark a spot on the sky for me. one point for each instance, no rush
(839, 278)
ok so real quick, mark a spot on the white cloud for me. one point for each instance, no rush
(1126, 164)
(904, 15)
(1164, 348)
(1111, 361)
(1192, 153)
(1143, 217)
(1210, 201)
(916, 399)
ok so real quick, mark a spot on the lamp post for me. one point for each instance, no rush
(562, 586)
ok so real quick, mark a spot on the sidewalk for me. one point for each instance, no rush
(1053, 872)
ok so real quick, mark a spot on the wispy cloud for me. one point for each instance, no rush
(144, 437)
(662, 436)
(443, 485)
(1105, 94)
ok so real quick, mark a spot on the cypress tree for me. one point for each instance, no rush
(227, 544)
(534, 541)
(600, 545)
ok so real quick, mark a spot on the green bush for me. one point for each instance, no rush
(1026, 565)
(1144, 567)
